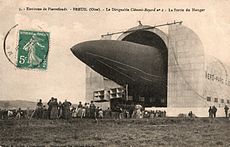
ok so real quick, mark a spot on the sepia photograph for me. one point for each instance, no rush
(114, 73)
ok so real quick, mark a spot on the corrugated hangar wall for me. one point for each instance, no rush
(217, 82)
(185, 68)
(187, 73)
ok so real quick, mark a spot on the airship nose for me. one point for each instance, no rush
(85, 50)
(79, 50)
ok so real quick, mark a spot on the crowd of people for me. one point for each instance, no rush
(14, 113)
(65, 110)
(55, 110)
(213, 110)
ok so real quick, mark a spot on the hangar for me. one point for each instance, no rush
(189, 79)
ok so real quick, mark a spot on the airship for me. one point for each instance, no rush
(139, 62)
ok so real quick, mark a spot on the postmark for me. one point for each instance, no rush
(27, 48)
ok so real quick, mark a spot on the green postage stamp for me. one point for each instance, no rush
(33, 49)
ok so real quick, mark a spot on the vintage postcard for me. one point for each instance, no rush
(114, 73)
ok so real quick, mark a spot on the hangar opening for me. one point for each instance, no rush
(153, 95)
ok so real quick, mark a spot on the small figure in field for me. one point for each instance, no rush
(190, 114)
(214, 110)
(210, 112)
(226, 111)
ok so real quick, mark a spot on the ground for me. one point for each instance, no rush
(125, 132)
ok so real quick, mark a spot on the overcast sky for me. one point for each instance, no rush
(65, 75)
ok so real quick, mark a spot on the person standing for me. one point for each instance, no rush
(190, 114)
(50, 106)
(108, 113)
(54, 110)
(138, 108)
(60, 109)
(96, 112)
(131, 110)
(92, 109)
(226, 111)
(31, 47)
(100, 114)
(44, 112)
(87, 111)
(66, 110)
(18, 113)
(79, 110)
(39, 109)
(83, 113)
(210, 112)
(214, 110)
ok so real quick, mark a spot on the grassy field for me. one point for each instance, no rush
(126, 132)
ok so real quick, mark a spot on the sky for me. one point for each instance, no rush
(65, 74)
